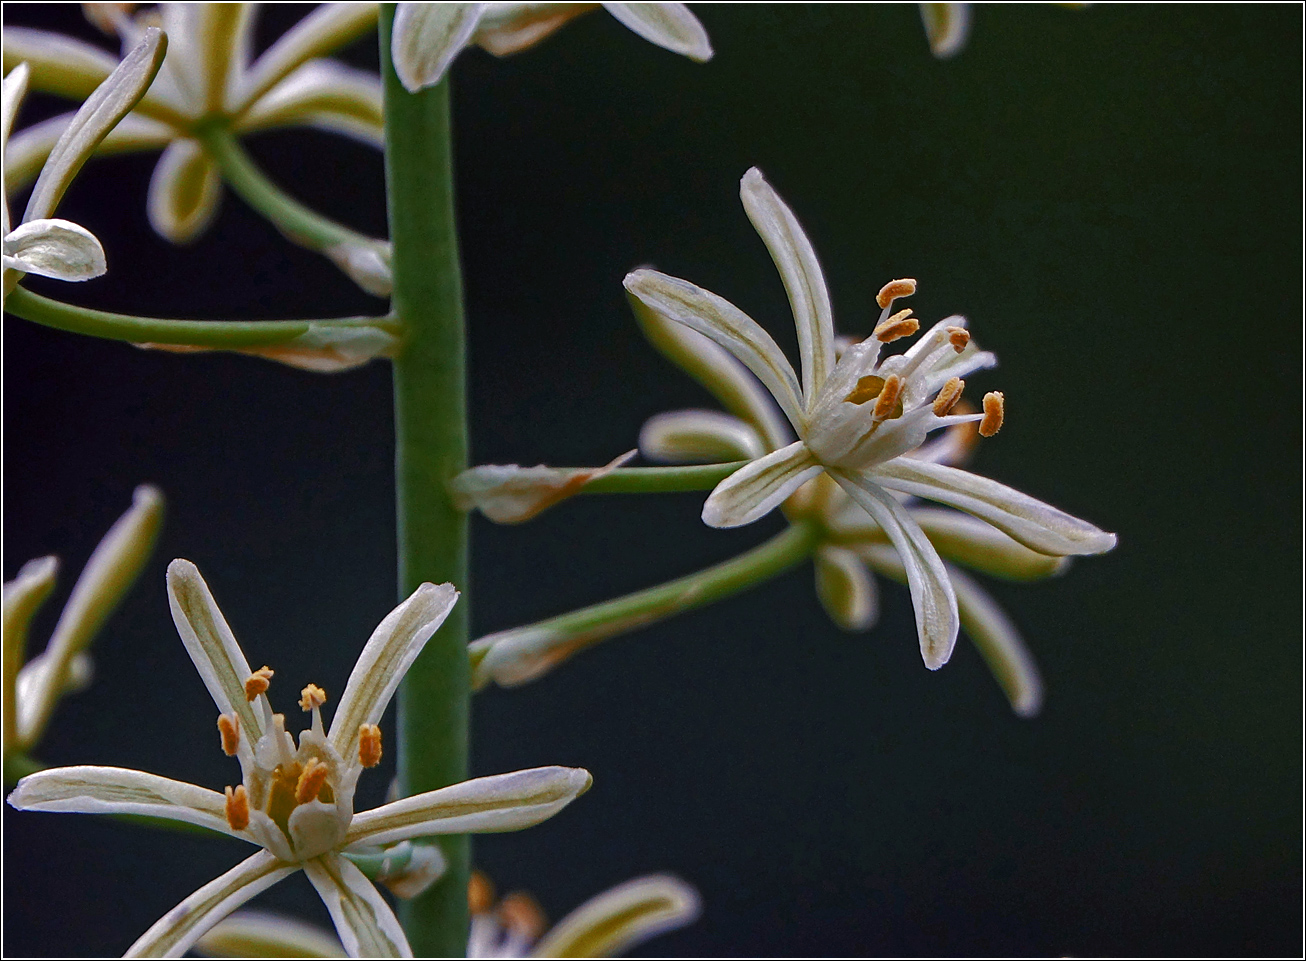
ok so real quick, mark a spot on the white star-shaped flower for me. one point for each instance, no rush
(296, 801)
(858, 419)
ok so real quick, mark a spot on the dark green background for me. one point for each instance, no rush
(1111, 196)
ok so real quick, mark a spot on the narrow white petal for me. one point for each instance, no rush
(184, 192)
(55, 248)
(59, 64)
(111, 571)
(211, 645)
(223, 40)
(323, 93)
(391, 649)
(366, 925)
(947, 25)
(110, 102)
(611, 923)
(509, 494)
(262, 934)
(502, 802)
(931, 591)
(699, 437)
(1038, 526)
(14, 89)
(181, 927)
(970, 541)
(329, 27)
(115, 790)
(669, 25)
(757, 489)
(27, 152)
(427, 37)
(846, 589)
(723, 322)
(23, 597)
(796, 260)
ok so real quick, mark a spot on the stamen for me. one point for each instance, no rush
(480, 893)
(369, 745)
(868, 388)
(993, 411)
(948, 396)
(959, 337)
(887, 402)
(522, 916)
(901, 324)
(237, 808)
(311, 780)
(229, 727)
(258, 682)
(311, 697)
(895, 289)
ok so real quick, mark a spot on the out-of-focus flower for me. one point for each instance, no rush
(428, 36)
(207, 79)
(859, 418)
(297, 802)
(947, 25)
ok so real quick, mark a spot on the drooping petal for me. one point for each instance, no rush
(1038, 526)
(323, 94)
(114, 790)
(177, 930)
(211, 645)
(184, 192)
(23, 597)
(699, 437)
(970, 541)
(110, 102)
(723, 322)
(947, 25)
(262, 934)
(669, 25)
(391, 649)
(618, 919)
(508, 28)
(758, 488)
(54, 248)
(931, 591)
(502, 802)
(509, 494)
(366, 925)
(27, 152)
(796, 260)
(846, 589)
(111, 571)
(329, 27)
(427, 37)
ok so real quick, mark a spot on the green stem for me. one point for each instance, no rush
(431, 448)
(661, 480)
(525, 653)
(225, 334)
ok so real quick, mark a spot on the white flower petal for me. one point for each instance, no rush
(367, 265)
(699, 437)
(11, 98)
(23, 597)
(211, 645)
(366, 925)
(508, 28)
(947, 25)
(177, 930)
(329, 27)
(1038, 526)
(184, 192)
(427, 37)
(27, 152)
(669, 25)
(509, 494)
(113, 790)
(757, 489)
(931, 591)
(796, 260)
(223, 41)
(59, 64)
(325, 94)
(262, 934)
(54, 248)
(618, 919)
(502, 802)
(846, 589)
(723, 322)
(970, 541)
(391, 649)
(110, 102)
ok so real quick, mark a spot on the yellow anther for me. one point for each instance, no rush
(258, 682)
(311, 697)
(992, 422)
(886, 405)
(868, 388)
(959, 337)
(480, 893)
(237, 808)
(522, 915)
(311, 780)
(895, 289)
(369, 745)
(948, 396)
(901, 324)
(229, 727)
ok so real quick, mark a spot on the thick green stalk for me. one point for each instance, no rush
(431, 447)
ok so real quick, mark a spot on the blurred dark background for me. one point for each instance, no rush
(1111, 196)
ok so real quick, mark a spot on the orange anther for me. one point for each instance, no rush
(229, 727)
(901, 324)
(895, 289)
(258, 682)
(311, 780)
(887, 402)
(480, 893)
(993, 410)
(311, 697)
(369, 745)
(237, 808)
(959, 337)
(948, 396)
